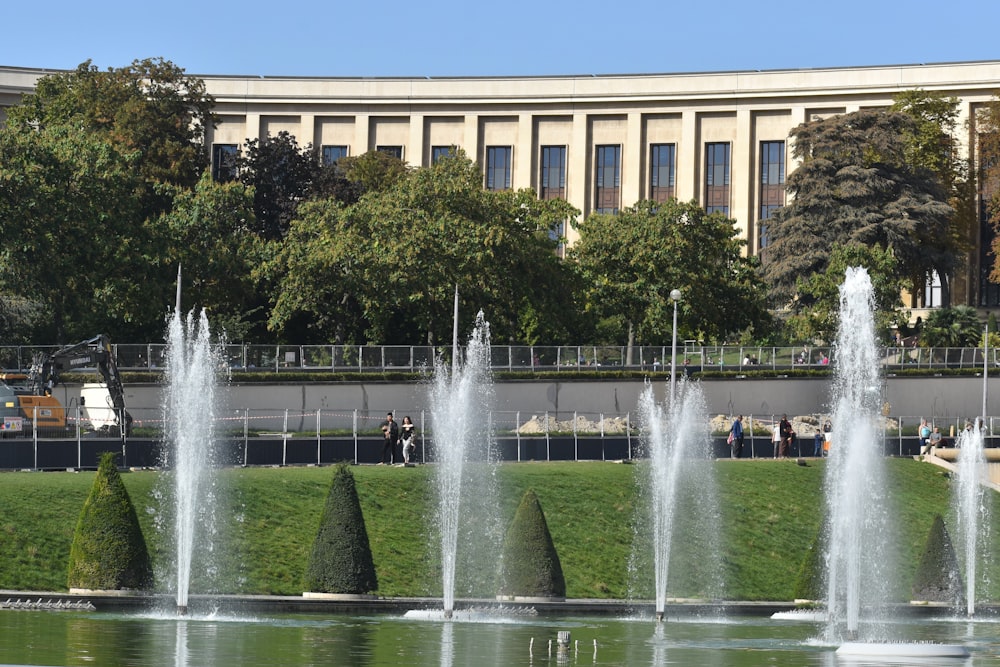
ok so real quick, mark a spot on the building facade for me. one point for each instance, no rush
(600, 142)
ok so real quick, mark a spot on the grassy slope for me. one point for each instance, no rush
(770, 513)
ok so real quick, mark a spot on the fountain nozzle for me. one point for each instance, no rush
(448, 613)
(659, 617)
(182, 610)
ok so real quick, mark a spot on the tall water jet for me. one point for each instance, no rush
(680, 483)
(858, 573)
(971, 508)
(189, 416)
(460, 402)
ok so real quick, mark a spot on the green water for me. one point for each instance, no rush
(110, 640)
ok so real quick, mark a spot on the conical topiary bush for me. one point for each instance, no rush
(108, 551)
(341, 561)
(530, 564)
(809, 581)
(937, 578)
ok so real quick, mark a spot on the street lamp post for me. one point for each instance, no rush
(675, 296)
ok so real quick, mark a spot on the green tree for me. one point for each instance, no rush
(822, 290)
(530, 564)
(72, 229)
(281, 175)
(149, 108)
(855, 186)
(934, 145)
(373, 171)
(952, 327)
(385, 269)
(341, 559)
(631, 261)
(108, 551)
(208, 235)
(87, 165)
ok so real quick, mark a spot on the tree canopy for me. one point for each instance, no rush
(385, 268)
(631, 261)
(856, 186)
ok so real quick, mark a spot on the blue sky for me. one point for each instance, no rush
(367, 38)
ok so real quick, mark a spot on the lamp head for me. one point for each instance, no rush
(675, 295)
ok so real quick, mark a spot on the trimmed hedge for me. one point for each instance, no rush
(341, 559)
(108, 550)
(938, 578)
(530, 565)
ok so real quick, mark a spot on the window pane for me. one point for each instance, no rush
(333, 153)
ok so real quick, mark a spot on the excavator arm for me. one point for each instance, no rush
(46, 370)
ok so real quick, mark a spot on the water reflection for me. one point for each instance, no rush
(74, 638)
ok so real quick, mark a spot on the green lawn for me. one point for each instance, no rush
(769, 514)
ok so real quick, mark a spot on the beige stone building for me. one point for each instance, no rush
(600, 142)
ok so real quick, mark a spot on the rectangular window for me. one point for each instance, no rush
(662, 165)
(717, 178)
(932, 291)
(498, 167)
(224, 167)
(607, 179)
(552, 183)
(333, 153)
(395, 151)
(438, 152)
(772, 184)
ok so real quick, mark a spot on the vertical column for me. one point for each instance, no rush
(252, 126)
(688, 167)
(523, 153)
(798, 117)
(307, 131)
(361, 143)
(632, 156)
(742, 177)
(472, 148)
(577, 159)
(415, 152)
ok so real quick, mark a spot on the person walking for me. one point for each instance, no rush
(787, 434)
(409, 429)
(736, 437)
(390, 431)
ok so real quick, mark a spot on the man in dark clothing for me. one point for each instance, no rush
(787, 434)
(390, 429)
(736, 433)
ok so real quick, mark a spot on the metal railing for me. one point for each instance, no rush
(286, 436)
(414, 358)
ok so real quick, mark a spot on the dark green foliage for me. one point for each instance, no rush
(530, 563)
(108, 550)
(937, 578)
(341, 559)
(809, 582)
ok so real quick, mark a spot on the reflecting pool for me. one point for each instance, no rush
(100, 638)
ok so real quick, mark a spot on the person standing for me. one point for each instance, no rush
(786, 433)
(736, 437)
(407, 437)
(390, 431)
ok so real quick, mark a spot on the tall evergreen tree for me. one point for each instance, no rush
(855, 186)
(341, 558)
(108, 551)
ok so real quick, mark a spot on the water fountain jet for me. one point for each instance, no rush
(189, 416)
(857, 544)
(460, 401)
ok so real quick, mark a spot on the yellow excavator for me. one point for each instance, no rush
(27, 398)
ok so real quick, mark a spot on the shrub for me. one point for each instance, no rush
(108, 550)
(341, 559)
(530, 565)
(809, 581)
(937, 578)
